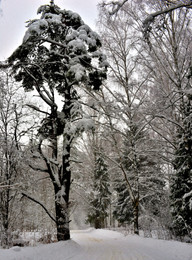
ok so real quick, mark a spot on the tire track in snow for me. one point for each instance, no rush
(105, 248)
(109, 245)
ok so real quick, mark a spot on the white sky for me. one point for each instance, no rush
(14, 14)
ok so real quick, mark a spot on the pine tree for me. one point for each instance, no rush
(100, 200)
(181, 189)
(59, 55)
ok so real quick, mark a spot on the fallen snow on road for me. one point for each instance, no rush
(94, 244)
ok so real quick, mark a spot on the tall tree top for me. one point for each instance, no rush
(60, 49)
(52, 2)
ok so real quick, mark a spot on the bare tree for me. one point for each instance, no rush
(14, 127)
(170, 49)
(124, 104)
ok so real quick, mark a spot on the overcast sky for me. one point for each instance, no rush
(14, 14)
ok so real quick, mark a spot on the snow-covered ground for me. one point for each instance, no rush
(102, 245)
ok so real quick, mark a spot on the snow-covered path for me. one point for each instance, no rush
(102, 245)
(99, 245)
(109, 245)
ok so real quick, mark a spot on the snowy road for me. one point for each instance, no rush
(102, 245)
(99, 245)
(109, 245)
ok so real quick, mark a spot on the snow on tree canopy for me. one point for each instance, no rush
(59, 42)
(60, 55)
(35, 29)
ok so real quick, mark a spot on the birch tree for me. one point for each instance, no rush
(167, 62)
(124, 105)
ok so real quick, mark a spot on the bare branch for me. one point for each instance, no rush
(151, 18)
(37, 109)
(36, 168)
(169, 120)
(9, 186)
(46, 99)
(36, 201)
(116, 6)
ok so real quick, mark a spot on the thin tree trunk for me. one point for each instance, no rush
(136, 216)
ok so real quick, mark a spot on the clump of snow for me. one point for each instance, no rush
(91, 42)
(53, 18)
(72, 34)
(35, 29)
(85, 124)
(78, 71)
(82, 124)
(77, 45)
(85, 27)
(73, 15)
(82, 33)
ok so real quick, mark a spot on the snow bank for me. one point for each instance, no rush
(55, 251)
(101, 244)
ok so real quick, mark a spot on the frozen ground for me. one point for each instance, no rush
(102, 245)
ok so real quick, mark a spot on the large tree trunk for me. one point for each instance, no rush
(62, 217)
(62, 199)
(62, 192)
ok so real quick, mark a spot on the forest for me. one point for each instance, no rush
(96, 127)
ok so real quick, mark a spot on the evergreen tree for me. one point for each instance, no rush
(143, 171)
(100, 201)
(181, 189)
(123, 208)
(59, 56)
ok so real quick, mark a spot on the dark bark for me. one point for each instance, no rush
(136, 216)
(62, 201)
(99, 222)
(62, 218)
(64, 173)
